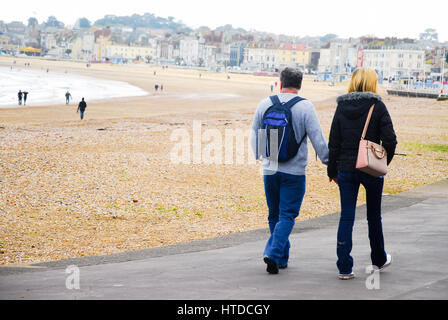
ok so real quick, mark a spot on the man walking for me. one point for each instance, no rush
(284, 180)
(82, 107)
(67, 97)
(25, 96)
(19, 95)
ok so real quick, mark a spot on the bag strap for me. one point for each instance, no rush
(275, 99)
(366, 125)
(289, 104)
(293, 101)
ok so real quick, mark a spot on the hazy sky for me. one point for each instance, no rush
(300, 17)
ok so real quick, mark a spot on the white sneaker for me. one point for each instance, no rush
(346, 276)
(388, 263)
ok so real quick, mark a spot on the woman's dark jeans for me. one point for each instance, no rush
(348, 187)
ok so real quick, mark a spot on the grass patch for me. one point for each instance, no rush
(436, 147)
(393, 190)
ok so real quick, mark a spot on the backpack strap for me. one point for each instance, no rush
(289, 104)
(275, 99)
(293, 101)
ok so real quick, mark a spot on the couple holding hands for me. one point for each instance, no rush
(281, 126)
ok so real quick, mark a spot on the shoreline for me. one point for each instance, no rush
(48, 88)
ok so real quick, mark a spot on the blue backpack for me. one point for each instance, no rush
(279, 117)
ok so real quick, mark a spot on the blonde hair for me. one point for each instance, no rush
(363, 79)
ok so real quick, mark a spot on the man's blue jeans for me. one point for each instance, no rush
(349, 183)
(284, 195)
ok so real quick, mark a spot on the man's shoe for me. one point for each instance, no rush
(272, 267)
(347, 276)
(388, 263)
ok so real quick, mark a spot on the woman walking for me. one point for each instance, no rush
(346, 130)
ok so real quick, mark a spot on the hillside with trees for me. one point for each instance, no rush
(147, 20)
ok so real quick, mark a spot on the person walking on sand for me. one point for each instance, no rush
(156, 87)
(19, 95)
(284, 164)
(25, 96)
(272, 88)
(67, 97)
(81, 108)
(346, 131)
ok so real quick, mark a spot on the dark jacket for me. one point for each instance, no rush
(347, 126)
(82, 106)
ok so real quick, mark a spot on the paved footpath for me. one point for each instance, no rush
(416, 233)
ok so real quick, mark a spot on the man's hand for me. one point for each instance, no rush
(335, 180)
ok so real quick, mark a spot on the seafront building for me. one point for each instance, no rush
(261, 56)
(394, 62)
(292, 55)
(121, 52)
(270, 56)
(339, 58)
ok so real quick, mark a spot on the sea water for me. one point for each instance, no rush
(49, 88)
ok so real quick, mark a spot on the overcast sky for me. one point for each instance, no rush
(346, 18)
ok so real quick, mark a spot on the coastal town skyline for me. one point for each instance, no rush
(345, 19)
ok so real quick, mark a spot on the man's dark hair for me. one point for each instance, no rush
(291, 78)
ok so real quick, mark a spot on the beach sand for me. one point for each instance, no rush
(71, 188)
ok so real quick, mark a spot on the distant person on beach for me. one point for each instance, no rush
(156, 87)
(25, 96)
(285, 164)
(67, 97)
(161, 87)
(81, 108)
(19, 95)
(272, 87)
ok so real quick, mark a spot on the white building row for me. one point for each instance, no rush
(394, 62)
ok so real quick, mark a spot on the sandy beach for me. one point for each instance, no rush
(71, 188)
